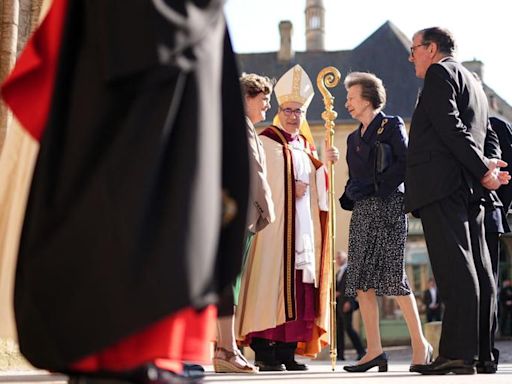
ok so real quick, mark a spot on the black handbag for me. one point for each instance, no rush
(383, 156)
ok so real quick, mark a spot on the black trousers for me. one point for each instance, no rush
(506, 320)
(344, 324)
(433, 314)
(493, 244)
(460, 260)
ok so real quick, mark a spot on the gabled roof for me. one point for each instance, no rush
(384, 53)
(499, 107)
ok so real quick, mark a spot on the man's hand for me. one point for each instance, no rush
(332, 154)
(300, 188)
(494, 178)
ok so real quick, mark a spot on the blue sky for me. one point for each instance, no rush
(483, 29)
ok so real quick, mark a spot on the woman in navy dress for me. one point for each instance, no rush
(378, 227)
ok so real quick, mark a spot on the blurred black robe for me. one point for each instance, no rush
(123, 222)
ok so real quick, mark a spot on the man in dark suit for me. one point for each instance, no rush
(432, 301)
(345, 307)
(497, 145)
(445, 180)
(495, 211)
(504, 132)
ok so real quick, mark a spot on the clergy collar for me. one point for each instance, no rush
(288, 136)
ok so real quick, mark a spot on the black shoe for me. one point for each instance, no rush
(496, 355)
(380, 361)
(489, 366)
(428, 360)
(269, 366)
(156, 375)
(295, 366)
(486, 367)
(146, 374)
(340, 358)
(94, 379)
(443, 365)
(193, 370)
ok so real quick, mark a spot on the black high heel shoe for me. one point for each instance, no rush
(380, 361)
(428, 360)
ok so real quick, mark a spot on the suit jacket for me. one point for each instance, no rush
(446, 138)
(261, 207)
(504, 132)
(495, 215)
(361, 154)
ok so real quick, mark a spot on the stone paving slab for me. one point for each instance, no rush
(398, 373)
(320, 372)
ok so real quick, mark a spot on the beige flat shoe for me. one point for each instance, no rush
(225, 361)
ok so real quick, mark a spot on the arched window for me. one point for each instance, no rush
(314, 22)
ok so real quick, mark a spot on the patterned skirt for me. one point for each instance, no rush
(378, 230)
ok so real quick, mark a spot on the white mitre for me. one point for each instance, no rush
(295, 85)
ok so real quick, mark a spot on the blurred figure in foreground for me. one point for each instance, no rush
(122, 254)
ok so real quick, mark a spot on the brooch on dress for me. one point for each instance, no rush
(381, 128)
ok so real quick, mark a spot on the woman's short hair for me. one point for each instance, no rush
(253, 84)
(372, 88)
(441, 36)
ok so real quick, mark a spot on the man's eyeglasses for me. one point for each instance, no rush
(288, 112)
(413, 48)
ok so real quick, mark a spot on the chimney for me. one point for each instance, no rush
(475, 66)
(315, 22)
(286, 53)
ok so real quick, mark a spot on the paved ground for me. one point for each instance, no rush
(320, 372)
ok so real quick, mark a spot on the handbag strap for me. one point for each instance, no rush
(380, 130)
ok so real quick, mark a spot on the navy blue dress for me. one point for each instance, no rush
(378, 227)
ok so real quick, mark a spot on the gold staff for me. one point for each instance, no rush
(330, 77)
